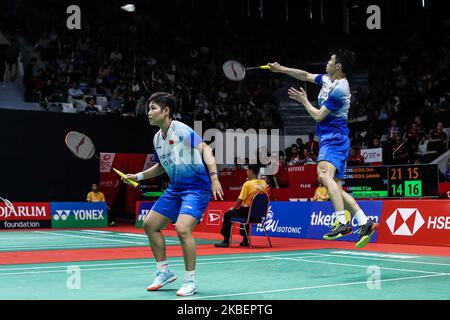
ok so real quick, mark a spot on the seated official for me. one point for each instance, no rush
(250, 188)
(321, 193)
(95, 195)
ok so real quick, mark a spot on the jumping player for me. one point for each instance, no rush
(334, 145)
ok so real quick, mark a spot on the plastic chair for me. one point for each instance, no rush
(257, 214)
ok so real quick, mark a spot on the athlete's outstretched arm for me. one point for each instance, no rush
(210, 162)
(151, 172)
(300, 96)
(296, 73)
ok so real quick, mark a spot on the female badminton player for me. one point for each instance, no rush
(180, 152)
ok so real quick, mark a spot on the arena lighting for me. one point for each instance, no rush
(128, 7)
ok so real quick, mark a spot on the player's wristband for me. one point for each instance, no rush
(212, 174)
(140, 176)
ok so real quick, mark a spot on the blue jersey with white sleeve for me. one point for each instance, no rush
(179, 157)
(335, 96)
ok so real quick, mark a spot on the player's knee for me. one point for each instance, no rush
(182, 230)
(323, 177)
(148, 226)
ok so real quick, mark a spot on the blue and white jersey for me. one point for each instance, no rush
(335, 96)
(180, 159)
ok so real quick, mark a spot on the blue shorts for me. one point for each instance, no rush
(190, 202)
(334, 148)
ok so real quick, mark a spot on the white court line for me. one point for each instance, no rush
(374, 254)
(97, 231)
(199, 261)
(85, 237)
(118, 234)
(306, 288)
(351, 265)
(136, 267)
(127, 235)
(388, 260)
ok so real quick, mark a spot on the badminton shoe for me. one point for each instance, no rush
(188, 288)
(338, 230)
(162, 278)
(366, 232)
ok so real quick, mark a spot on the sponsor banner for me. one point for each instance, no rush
(302, 181)
(285, 219)
(321, 217)
(25, 211)
(424, 222)
(374, 155)
(25, 224)
(212, 218)
(106, 162)
(79, 214)
(211, 221)
(142, 209)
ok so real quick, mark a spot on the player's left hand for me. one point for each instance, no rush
(297, 95)
(216, 189)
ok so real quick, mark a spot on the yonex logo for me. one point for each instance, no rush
(61, 214)
(143, 214)
(405, 221)
(79, 214)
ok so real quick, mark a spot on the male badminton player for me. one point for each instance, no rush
(178, 151)
(334, 145)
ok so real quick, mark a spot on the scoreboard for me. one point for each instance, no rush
(399, 181)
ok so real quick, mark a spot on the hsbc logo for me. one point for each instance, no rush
(214, 217)
(405, 221)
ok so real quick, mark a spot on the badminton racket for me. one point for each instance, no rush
(7, 203)
(83, 147)
(235, 71)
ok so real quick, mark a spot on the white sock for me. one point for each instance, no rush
(190, 275)
(340, 216)
(360, 217)
(162, 265)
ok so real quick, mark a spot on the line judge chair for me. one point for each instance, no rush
(257, 214)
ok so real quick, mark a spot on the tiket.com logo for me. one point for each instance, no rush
(405, 221)
(61, 214)
(213, 217)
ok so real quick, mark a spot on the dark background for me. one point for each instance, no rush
(37, 165)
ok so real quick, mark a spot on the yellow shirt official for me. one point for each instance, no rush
(321, 194)
(249, 189)
(95, 197)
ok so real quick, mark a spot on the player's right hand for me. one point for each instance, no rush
(130, 176)
(274, 67)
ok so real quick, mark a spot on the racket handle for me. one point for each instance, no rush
(125, 179)
(260, 67)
